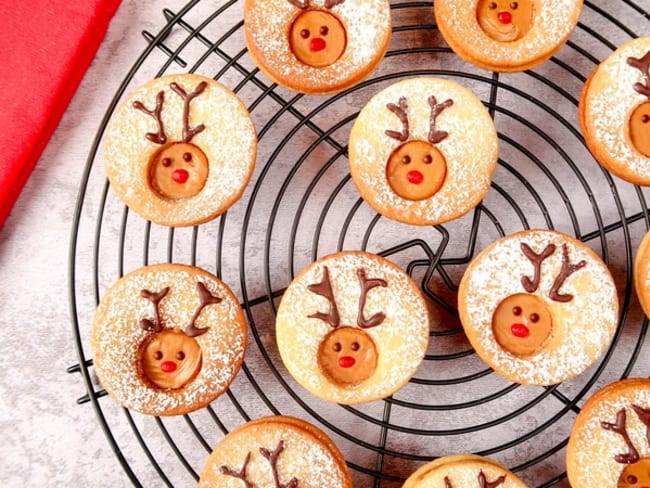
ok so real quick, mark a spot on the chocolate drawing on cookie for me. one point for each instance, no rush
(347, 355)
(504, 20)
(482, 480)
(272, 458)
(417, 169)
(639, 121)
(317, 37)
(636, 473)
(179, 169)
(523, 322)
(170, 357)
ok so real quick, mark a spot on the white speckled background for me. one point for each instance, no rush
(49, 440)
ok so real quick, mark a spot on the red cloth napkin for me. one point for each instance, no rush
(45, 48)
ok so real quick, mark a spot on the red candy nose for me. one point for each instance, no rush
(317, 44)
(180, 175)
(346, 362)
(504, 17)
(168, 367)
(519, 330)
(415, 177)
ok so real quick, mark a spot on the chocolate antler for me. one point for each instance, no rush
(332, 3)
(400, 111)
(644, 417)
(484, 483)
(300, 4)
(531, 285)
(241, 474)
(324, 289)
(155, 137)
(366, 286)
(643, 65)
(436, 136)
(632, 456)
(272, 457)
(154, 298)
(567, 270)
(189, 133)
(206, 298)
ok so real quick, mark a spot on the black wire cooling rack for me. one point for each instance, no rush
(301, 204)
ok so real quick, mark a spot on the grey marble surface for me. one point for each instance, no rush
(49, 440)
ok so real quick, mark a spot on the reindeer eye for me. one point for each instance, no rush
(304, 33)
(355, 346)
(337, 347)
(324, 30)
(645, 118)
(631, 479)
(406, 159)
(534, 318)
(516, 311)
(514, 5)
(492, 5)
(158, 355)
(428, 159)
(166, 162)
(180, 355)
(187, 157)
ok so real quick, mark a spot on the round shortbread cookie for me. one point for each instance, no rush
(615, 112)
(276, 451)
(538, 306)
(168, 339)
(180, 150)
(642, 273)
(506, 36)
(345, 363)
(423, 151)
(463, 471)
(317, 46)
(610, 442)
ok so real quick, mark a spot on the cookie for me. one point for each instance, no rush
(168, 339)
(423, 151)
(463, 471)
(180, 150)
(538, 306)
(352, 327)
(276, 452)
(317, 46)
(642, 273)
(614, 112)
(610, 439)
(507, 36)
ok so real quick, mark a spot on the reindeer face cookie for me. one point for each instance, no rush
(538, 306)
(615, 112)
(610, 440)
(317, 46)
(506, 35)
(463, 471)
(168, 339)
(352, 328)
(180, 150)
(423, 151)
(276, 452)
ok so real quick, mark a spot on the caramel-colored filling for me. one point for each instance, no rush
(639, 126)
(522, 323)
(178, 170)
(505, 20)
(170, 359)
(347, 356)
(635, 475)
(317, 38)
(416, 170)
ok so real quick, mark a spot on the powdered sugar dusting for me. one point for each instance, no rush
(368, 29)
(582, 327)
(470, 150)
(591, 450)
(116, 337)
(553, 22)
(462, 471)
(401, 340)
(229, 142)
(608, 102)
